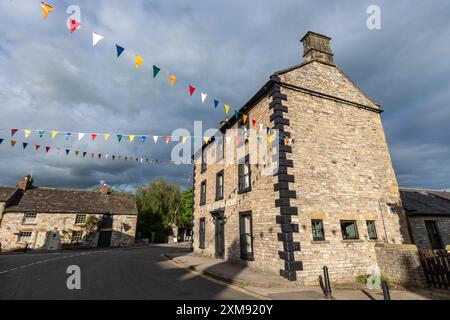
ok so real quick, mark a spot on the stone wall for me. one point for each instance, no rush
(420, 234)
(401, 262)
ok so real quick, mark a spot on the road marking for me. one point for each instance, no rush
(229, 285)
(48, 260)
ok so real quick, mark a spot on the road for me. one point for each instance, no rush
(133, 273)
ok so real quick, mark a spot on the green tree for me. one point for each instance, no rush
(184, 214)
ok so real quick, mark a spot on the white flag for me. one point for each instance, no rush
(81, 135)
(155, 138)
(96, 38)
(228, 139)
(203, 97)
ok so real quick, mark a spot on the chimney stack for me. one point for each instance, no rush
(317, 47)
(103, 187)
(25, 183)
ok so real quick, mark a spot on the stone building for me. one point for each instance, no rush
(50, 219)
(428, 217)
(334, 195)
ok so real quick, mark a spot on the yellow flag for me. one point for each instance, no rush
(106, 136)
(227, 108)
(54, 133)
(269, 139)
(131, 138)
(183, 139)
(46, 9)
(172, 79)
(26, 133)
(206, 139)
(139, 61)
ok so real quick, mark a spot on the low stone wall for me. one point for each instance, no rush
(401, 262)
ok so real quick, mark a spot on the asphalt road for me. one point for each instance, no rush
(135, 273)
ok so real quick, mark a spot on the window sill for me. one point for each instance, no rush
(352, 240)
(29, 224)
(320, 242)
(218, 199)
(244, 190)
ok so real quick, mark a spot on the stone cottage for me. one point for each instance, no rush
(50, 219)
(334, 195)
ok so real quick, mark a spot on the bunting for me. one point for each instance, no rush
(46, 9)
(73, 25)
(119, 50)
(96, 38)
(155, 71)
(139, 61)
(203, 95)
(191, 90)
(172, 79)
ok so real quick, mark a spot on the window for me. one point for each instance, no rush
(246, 235)
(77, 236)
(220, 150)
(29, 218)
(80, 219)
(244, 176)
(371, 229)
(203, 167)
(24, 236)
(349, 230)
(317, 230)
(203, 193)
(201, 233)
(219, 185)
(433, 234)
(107, 221)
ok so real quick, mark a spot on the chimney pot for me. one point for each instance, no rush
(25, 183)
(317, 47)
(103, 187)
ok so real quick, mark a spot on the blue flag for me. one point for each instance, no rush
(216, 103)
(119, 50)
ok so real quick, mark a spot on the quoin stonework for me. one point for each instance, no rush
(39, 218)
(334, 195)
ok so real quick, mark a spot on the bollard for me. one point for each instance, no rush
(385, 287)
(326, 277)
(26, 248)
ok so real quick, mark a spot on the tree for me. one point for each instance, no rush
(184, 216)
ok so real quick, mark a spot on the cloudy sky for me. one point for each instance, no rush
(53, 80)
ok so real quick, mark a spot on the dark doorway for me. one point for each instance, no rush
(433, 234)
(219, 234)
(104, 239)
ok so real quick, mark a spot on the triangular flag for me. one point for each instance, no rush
(93, 135)
(244, 118)
(73, 25)
(47, 149)
(167, 139)
(236, 114)
(106, 156)
(205, 139)
(254, 122)
(46, 9)
(67, 151)
(155, 138)
(204, 95)
(139, 61)
(269, 139)
(143, 138)
(80, 135)
(1, 140)
(84, 154)
(183, 139)
(106, 136)
(172, 79)
(92, 154)
(113, 157)
(77, 152)
(96, 38)
(119, 137)
(54, 133)
(191, 90)
(67, 135)
(227, 108)
(24, 144)
(13, 132)
(119, 50)
(26, 133)
(58, 150)
(41, 133)
(228, 139)
(155, 71)
(216, 103)
(37, 146)
(131, 137)
(99, 155)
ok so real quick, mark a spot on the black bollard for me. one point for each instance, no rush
(326, 277)
(385, 287)
(26, 248)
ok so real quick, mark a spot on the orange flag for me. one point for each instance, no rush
(244, 118)
(46, 9)
(172, 79)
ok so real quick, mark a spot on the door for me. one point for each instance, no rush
(104, 239)
(433, 234)
(219, 235)
(53, 240)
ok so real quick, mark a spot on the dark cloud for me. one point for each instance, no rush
(51, 79)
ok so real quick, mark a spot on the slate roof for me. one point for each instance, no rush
(425, 202)
(6, 193)
(49, 200)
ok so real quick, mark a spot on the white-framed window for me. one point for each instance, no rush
(77, 236)
(80, 219)
(24, 236)
(29, 218)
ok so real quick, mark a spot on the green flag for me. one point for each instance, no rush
(155, 71)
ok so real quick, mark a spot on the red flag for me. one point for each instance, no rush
(167, 139)
(13, 132)
(191, 90)
(94, 135)
(92, 154)
(47, 149)
(254, 122)
(73, 25)
(37, 146)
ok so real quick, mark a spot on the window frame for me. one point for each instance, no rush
(72, 240)
(356, 229)
(243, 235)
(80, 223)
(220, 149)
(321, 229)
(221, 195)
(203, 194)
(20, 235)
(372, 222)
(24, 219)
(204, 164)
(241, 176)
(437, 234)
(201, 233)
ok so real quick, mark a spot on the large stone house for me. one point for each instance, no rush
(334, 195)
(50, 219)
(428, 217)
